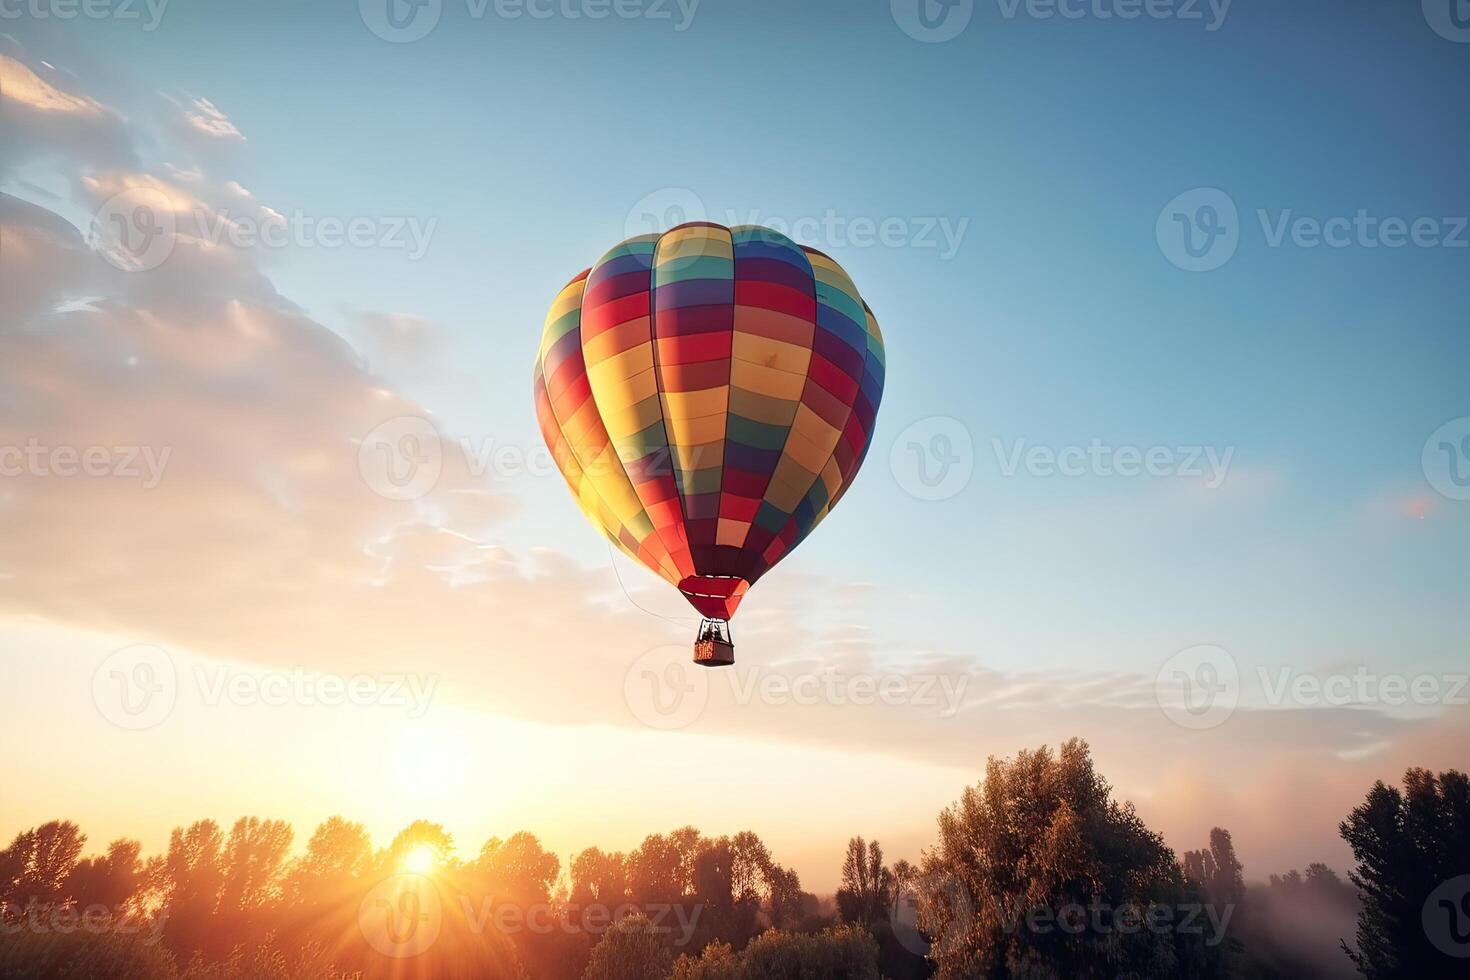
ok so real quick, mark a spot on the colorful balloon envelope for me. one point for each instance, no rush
(709, 394)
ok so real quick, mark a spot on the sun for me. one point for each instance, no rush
(420, 860)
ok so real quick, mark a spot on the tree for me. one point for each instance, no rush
(845, 952)
(338, 856)
(903, 873)
(630, 950)
(108, 880)
(35, 867)
(750, 867)
(519, 869)
(787, 901)
(1410, 847)
(188, 881)
(421, 834)
(655, 874)
(865, 895)
(1217, 870)
(717, 962)
(254, 855)
(839, 953)
(1038, 871)
(714, 892)
(1319, 882)
(194, 865)
(1216, 873)
(599, 877)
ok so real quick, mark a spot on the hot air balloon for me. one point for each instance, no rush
(709, 394)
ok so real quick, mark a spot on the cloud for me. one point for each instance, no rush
(45, 262)
(202, 119)
(174, 226)
(392, 341)
(44, 121)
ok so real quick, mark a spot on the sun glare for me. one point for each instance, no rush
(420, 860)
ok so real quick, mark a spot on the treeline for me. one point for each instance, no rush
(1037, 871)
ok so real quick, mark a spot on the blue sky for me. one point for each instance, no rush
(1056, 321)
(1054, 144)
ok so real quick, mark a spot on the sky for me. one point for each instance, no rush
(1227, 239)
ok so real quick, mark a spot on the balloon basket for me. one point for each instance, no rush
(713, 646)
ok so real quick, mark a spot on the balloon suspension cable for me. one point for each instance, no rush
(612, 560)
